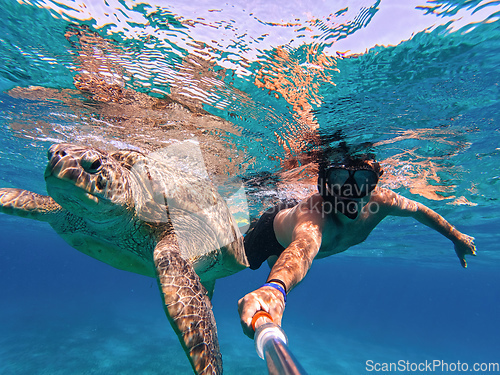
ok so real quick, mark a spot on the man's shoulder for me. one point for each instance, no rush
(313, 198)
(312, 203)
(309, 207)
(392, 203)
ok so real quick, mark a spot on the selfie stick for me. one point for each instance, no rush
(271, 345)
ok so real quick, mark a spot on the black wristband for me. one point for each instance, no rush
(277, 281)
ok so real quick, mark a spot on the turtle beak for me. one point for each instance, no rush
(54, 157)
(52, 163)
(57, 160)
(48, 172)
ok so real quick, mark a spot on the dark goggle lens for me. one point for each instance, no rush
(337, 176)
(366, 180)
(351, 183)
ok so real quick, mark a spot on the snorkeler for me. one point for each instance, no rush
(348, 206)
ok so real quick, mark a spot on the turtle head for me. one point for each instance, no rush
(87, 182)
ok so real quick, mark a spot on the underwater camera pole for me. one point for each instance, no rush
(271, 344)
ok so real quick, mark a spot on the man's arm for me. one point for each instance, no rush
(397, 205)
(305, 225)
(296, 260)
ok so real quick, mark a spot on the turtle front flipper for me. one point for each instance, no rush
(27, 204)
(209, 286)
(188, 307)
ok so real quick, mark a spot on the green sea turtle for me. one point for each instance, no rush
(138, 213)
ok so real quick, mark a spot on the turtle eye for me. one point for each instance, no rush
(95, 166)
(92, 166)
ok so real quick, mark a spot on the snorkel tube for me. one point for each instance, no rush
(271, 344)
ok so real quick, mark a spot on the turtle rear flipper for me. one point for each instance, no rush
(27, 204)
(188, 307)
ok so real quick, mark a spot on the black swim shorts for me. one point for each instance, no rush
(260, 241)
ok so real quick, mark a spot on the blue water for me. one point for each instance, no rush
(418, 81)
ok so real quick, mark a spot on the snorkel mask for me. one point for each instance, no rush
(343, 184)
